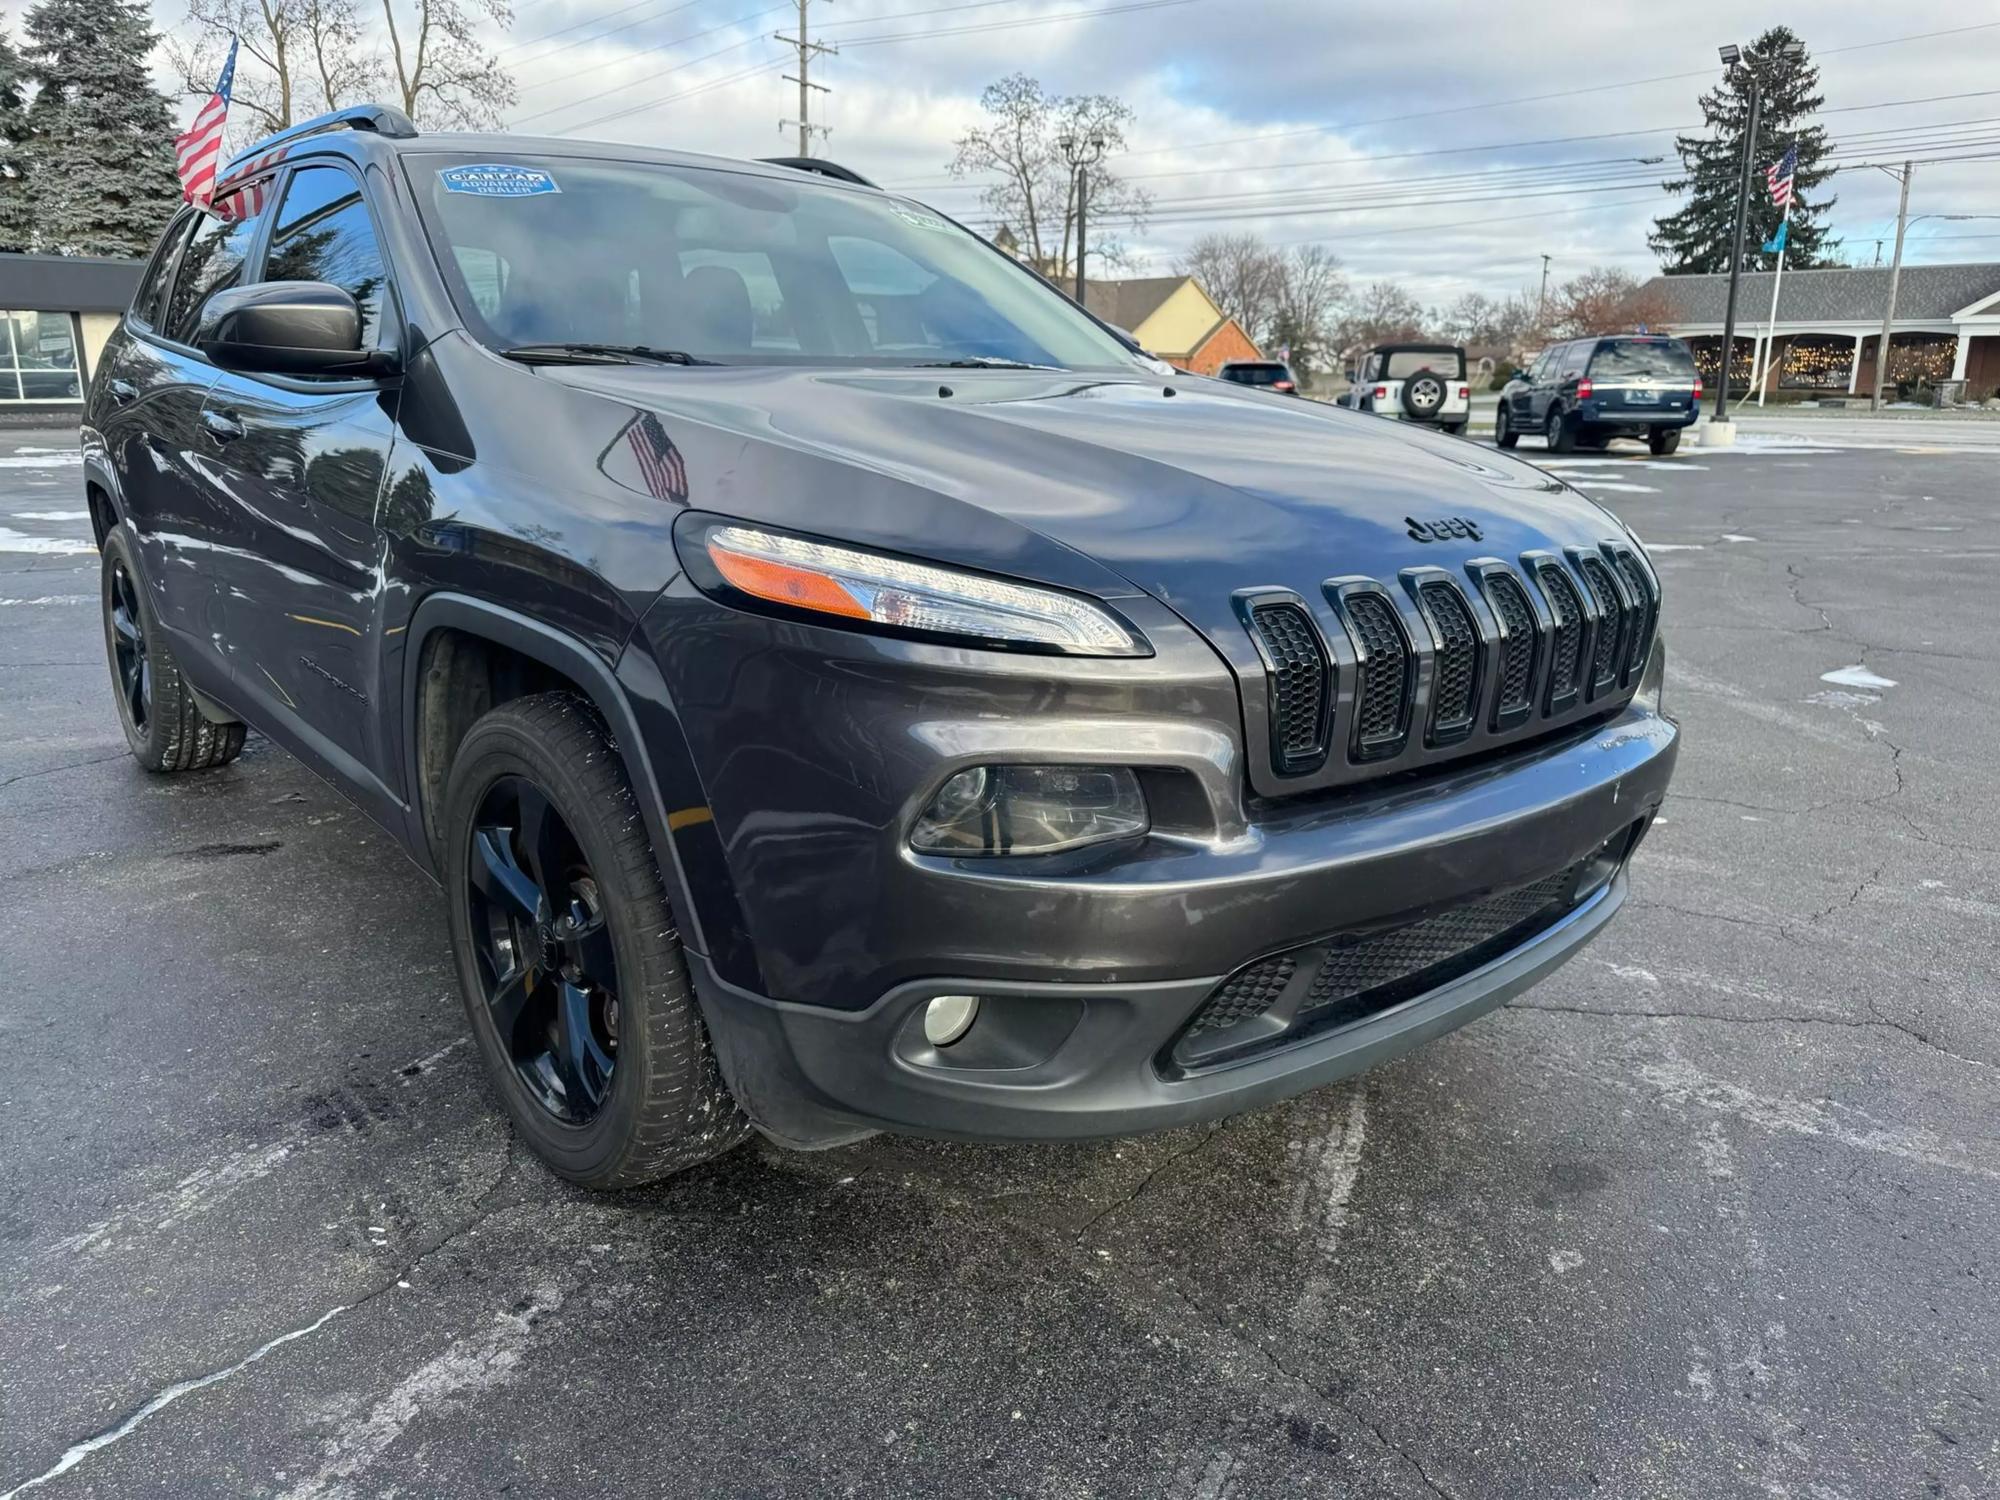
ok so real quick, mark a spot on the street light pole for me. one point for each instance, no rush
(1721, 413)
(1082, 153)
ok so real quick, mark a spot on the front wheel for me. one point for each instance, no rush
(163, 725)
(1663, 440)
(1504, 435)
(568, 958)
(1559, 432)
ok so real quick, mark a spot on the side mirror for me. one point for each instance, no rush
(288, 328)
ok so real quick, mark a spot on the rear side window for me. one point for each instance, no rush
(146, 306)
(1643, 359)
(1406, 362)
(1574, 358)
(324, 234)
(214, 258)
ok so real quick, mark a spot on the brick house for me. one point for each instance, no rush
(1174, 318)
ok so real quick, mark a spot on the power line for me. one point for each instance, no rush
(594, 20)
(694, 36)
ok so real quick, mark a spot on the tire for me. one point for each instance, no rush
(1663, 440)
(1504, 435)
(1561, 433)
(605, 1065)
(1423, 396)
(165, 728)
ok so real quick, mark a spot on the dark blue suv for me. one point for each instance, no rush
(1585, 393)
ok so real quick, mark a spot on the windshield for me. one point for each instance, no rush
(732, 267)
(1642, 359)
(1406, 362)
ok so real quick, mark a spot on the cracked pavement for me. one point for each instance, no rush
(1711, 1212)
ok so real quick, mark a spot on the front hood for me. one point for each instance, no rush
(1189, 496)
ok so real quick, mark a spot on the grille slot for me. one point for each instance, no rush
(1645, 613)
(1383, 689)
(1566, 655)
(1517, 650)
(1454, 688)
(1297, 670)
(1604, 657)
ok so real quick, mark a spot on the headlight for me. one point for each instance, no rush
(1030, 810)
(844, 583)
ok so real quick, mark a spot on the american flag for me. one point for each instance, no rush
(1779, 176)
(198, 149)
(660, 466)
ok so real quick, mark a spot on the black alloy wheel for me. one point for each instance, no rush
(548, 969)
(128, 648)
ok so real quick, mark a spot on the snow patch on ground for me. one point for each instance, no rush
(1676, 547)
(40, 458)
(47, 546)
(1858, 676)
(52, 515)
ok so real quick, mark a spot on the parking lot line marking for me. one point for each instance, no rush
(78, 1453)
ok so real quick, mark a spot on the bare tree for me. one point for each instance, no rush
(1383, 313)
(1604, 300)
(298, 57)
(444, 75)
(1241, 275)
(1310, 296)
(1035, 195)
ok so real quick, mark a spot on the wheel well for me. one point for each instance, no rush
(463, 676)
(103, 514)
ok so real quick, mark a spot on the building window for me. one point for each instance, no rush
(39, 361)
(1817, 362)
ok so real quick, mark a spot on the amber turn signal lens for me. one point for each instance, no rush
(785, 584)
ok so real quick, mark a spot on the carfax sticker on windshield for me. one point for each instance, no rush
(921, 220)
(497, 180)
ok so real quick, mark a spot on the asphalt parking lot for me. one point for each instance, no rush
(1716, 1211)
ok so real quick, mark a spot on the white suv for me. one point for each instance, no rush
(1414, 383)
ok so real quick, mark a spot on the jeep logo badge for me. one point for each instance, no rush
(1443, 530)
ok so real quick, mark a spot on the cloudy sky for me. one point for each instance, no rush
(1330, 106)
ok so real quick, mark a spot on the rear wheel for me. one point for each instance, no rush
(1560, 433)
(568, 958)
(1663, 440)
(1504, 435)
(164, 727)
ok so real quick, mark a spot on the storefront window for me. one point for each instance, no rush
(38, 362)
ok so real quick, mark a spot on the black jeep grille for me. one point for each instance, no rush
(1452, 694)
(1517, 653)
(1297, 669)
(1345, 683)
(1382, 696)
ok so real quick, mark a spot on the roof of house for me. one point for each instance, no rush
(1129, 303)
(1838, 295)
(68, 283)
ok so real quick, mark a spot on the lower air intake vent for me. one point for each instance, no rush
(1296, 666)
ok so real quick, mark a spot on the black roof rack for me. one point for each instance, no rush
(378, 118)
(819, 167)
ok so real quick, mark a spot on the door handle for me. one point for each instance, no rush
(222, 426)
(122, 391)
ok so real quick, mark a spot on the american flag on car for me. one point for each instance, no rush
(660, 465)
(198, 149)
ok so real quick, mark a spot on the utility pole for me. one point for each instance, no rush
(1895, 275)
(1082, 153)
(1721, 413)
(1542, 307)
(807, 49)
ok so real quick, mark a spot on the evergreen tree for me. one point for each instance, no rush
(1698, 237)
(102, 154)
(17, 208)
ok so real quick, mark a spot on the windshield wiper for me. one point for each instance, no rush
(981, 362)
(599, 354)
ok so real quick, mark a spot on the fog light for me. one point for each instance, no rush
(1030, 810)
(949, 1017)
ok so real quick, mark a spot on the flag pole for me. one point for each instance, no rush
(1777, 280)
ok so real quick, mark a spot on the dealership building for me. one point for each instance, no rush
(57, 310)
(1828, 327)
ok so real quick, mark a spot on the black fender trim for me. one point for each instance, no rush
(564, 654)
